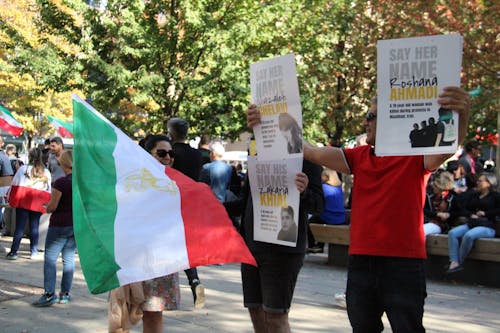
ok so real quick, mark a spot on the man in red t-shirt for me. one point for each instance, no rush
(387, 244)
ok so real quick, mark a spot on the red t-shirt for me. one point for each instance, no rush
(387, 204)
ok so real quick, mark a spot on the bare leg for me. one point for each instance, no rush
(258, 320)
(152, 322)
(264, 322)
(277, 322)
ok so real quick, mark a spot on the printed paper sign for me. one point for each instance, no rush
(411, 73)
(275, 91)
(276, 199)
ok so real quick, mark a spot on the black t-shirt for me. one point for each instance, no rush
(63, 215)
(187, 160)
(205, 155)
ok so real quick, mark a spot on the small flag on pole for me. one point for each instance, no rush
(64, 128)
(8, 123)
(134, 218)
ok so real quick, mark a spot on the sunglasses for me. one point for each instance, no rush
(371, 116)
(163, 153)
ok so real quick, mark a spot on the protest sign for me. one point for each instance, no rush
(275, 199)
(275, 91)
(279, 158)
(411, 73)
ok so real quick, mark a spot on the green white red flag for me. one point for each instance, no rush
(8, 123)
(29, 192)
(64, 128)
(134, 219)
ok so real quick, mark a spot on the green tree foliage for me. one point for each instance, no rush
(336, 44)
(478, 22)
(143, 62)
(32, 70)
(147, 61)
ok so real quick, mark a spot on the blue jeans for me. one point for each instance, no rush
(23, 216)
(458, 254)
(392, 285)
(59, 240)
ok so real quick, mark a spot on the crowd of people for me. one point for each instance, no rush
(462, 200)
(386, 257)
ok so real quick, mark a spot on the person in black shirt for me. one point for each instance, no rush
(204, 149)
(188, 161)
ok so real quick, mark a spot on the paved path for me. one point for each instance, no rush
(449, 307)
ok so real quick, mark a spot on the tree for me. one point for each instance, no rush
(143, 62)
(27, 66)
(477, 21)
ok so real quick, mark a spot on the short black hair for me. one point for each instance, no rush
(288, 209)
(57, 140)
(452, 166)
(471, 145)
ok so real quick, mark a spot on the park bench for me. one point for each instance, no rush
(482, 266)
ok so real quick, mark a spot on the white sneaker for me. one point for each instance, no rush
(36, 256)
(199, 299)
(340, 300)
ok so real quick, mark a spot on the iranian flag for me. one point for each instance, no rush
(9, 123)
(135, 219)
(64, 128)
(27, 192)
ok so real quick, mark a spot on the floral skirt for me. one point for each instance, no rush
(162, 293)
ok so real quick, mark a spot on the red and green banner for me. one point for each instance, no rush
(8, 123)
(64, 128)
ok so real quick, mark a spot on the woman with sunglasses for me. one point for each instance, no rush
(162, 292)
(160, 147)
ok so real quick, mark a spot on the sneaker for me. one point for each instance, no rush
(198, 291)
(46, 300)
(340, 300)
(12, 256)
(315, 249)
(456, 269)
(36, 256)
(64, 298)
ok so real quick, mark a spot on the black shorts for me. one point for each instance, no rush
(272, 283)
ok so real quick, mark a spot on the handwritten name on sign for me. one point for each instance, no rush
(272, 184)
(270, 91)
(413, 73)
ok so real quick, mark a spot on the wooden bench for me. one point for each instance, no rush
(482, 266)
